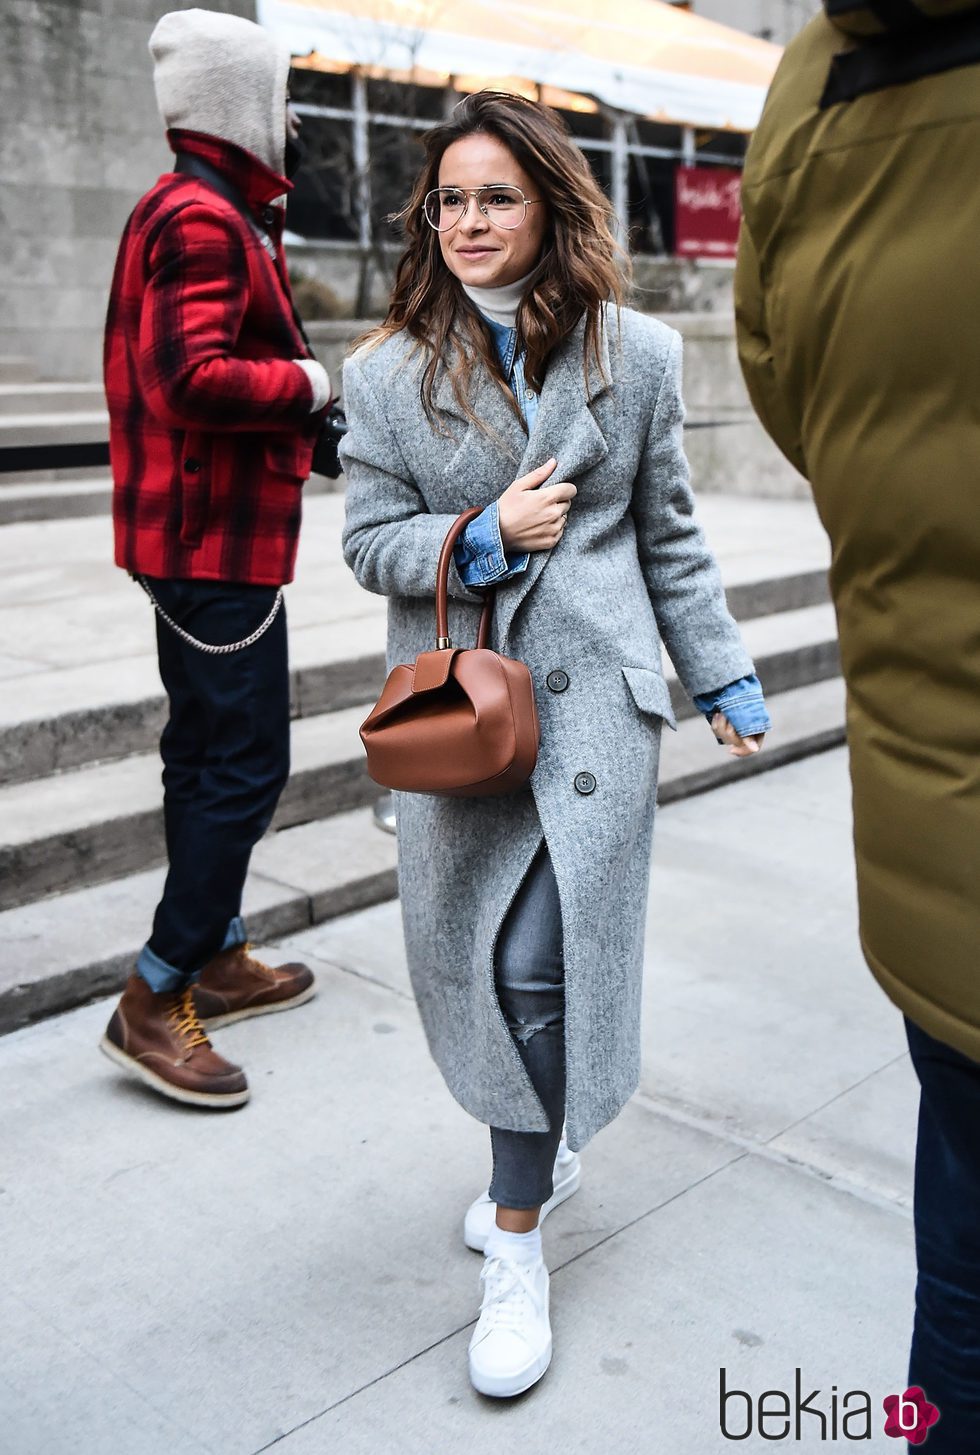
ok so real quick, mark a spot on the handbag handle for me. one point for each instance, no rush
(442, 585)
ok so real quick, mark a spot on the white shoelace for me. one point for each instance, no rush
(508, 1289)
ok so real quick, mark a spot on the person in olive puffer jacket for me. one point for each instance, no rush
(858, 306)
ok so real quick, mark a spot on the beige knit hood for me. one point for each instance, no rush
(224, 76)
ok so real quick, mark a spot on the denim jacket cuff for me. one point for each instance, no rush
(742, 702)
(483, 561)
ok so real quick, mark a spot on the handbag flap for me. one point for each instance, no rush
(432, 669)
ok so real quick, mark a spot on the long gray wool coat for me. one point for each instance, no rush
(632, 570)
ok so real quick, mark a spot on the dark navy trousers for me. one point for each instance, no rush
(945, 1360)
(225, 752)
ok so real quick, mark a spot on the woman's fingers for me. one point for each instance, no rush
(738, 746)
(533, 517)
(534, 478)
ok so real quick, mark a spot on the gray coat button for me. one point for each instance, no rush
(557, 680)
(584, 783)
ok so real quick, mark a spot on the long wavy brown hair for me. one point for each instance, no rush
(581, 266)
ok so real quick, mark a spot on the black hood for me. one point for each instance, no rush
(865, 18)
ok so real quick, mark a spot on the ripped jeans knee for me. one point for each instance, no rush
(534, 1007)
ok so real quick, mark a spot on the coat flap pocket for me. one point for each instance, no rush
(287, 456)
(651, 693)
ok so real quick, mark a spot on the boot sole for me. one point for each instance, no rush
(478, 1243)
(215, 1022)
(213, 1099)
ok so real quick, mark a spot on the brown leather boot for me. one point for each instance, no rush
(235, 985)
(160, 1039)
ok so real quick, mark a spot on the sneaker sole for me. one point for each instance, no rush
(561, 1195)
(213, 1099)
(215, 1022)
(510, 1388)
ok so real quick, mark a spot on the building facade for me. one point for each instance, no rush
(775, 20)
(81, 141)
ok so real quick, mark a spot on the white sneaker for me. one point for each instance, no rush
(482, 1214)
(511, 1345)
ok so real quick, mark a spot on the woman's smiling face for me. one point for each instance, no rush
(476, 251)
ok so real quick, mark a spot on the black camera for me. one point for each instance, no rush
(326, 457)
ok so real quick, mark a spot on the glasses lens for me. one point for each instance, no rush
(503, 205)
(444, 208)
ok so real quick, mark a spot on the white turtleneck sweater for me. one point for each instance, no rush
(501, 303)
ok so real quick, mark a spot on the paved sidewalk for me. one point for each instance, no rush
(291, 1277)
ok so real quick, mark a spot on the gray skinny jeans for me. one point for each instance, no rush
(529, 968)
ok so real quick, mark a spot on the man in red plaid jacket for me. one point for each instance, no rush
(215, 404)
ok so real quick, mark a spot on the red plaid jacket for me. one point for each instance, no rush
(211, 433)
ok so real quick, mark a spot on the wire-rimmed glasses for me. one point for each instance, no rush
(501, 203)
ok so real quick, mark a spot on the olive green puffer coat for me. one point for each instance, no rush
(858, 304)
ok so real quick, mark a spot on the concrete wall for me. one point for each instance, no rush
(80, 142)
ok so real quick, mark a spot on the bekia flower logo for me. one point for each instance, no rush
(910, 1416)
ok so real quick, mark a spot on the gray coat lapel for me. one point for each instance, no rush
(565, 428)
(487, 459)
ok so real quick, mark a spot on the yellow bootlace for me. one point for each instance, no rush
(184, 1021)
(247, 950)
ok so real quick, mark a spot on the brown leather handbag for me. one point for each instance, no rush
(460, 721)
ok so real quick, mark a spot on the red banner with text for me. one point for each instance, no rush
(707, 212)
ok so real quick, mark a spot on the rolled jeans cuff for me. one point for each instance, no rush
(160, 976)
(237, 933)
(163, 977)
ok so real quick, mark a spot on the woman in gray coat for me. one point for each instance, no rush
(506, 357)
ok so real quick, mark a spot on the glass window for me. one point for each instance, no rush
(322, 204)
(651, 191)
(654, 134)
(729, 144)
(396, 159)
(394, 98)
(322, 88)
(601, 164)
(585, 123)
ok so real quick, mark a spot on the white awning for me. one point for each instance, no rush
(641, 56)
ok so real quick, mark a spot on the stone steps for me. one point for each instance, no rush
(81, 708)
(95, 823)
(69, 949)
(45, 427)
(90, 823)
(67, 717)
(17, 369)
(54, 434)
(67, 494)
(25, 497)
(70, 717)
(31, 398)
(82, 944)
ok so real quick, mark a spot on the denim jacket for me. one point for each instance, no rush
(480, 556)
(482, 561)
